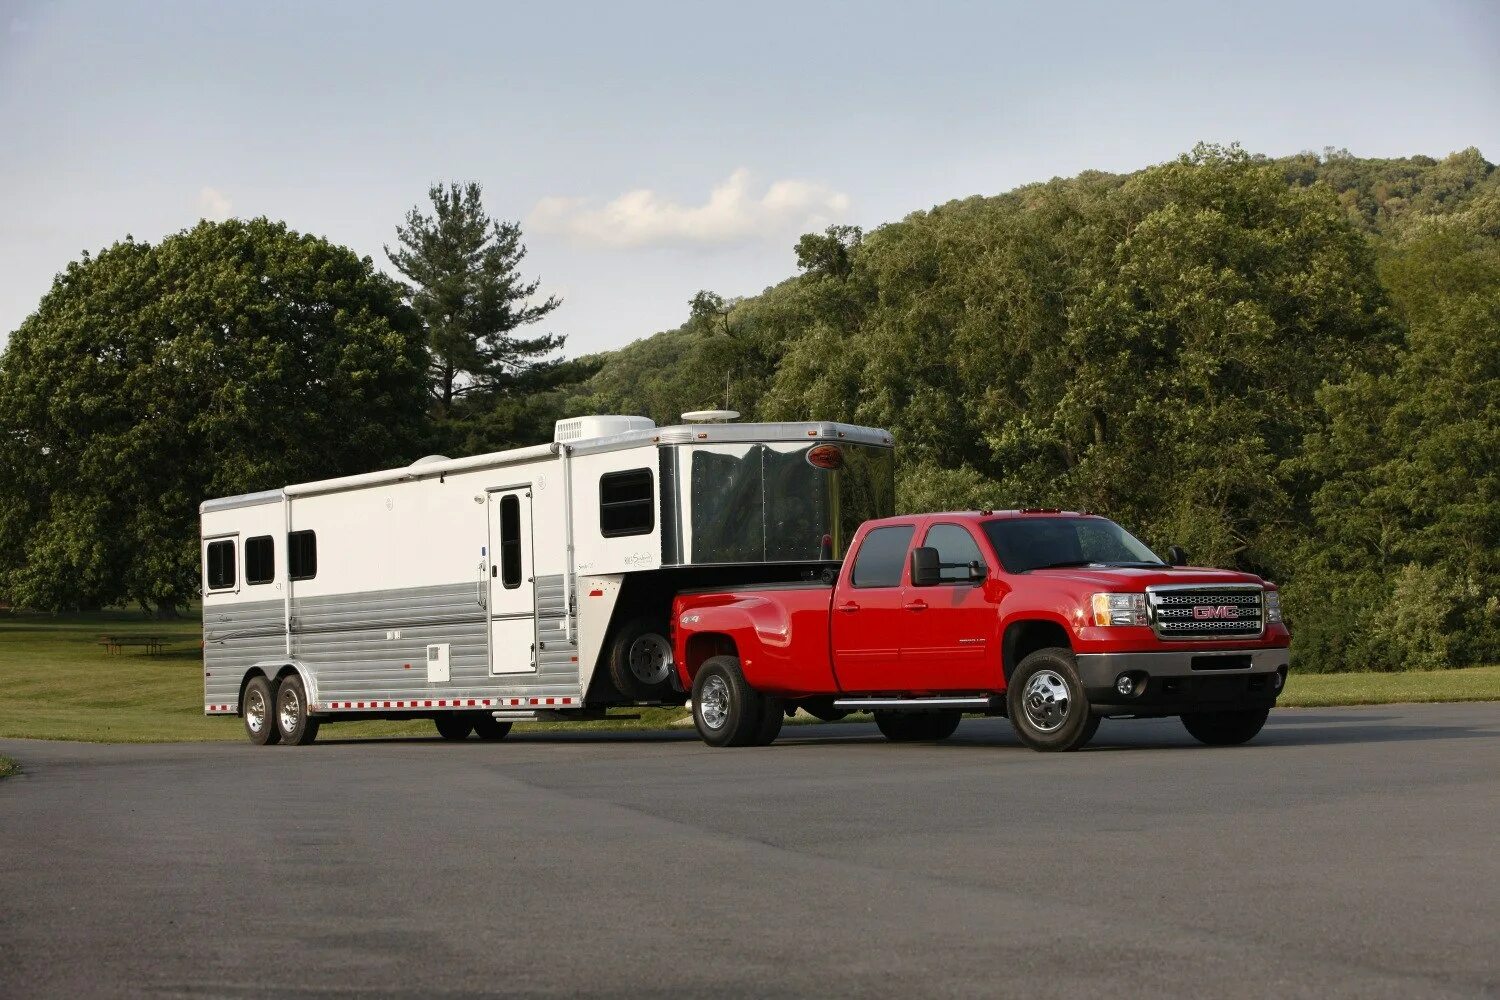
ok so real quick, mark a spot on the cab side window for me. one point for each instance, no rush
(956, 550)
(881, 557)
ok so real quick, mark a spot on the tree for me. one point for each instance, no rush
(232, 357)
(464, 269)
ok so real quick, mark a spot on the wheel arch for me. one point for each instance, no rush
(702, 645)
(1026, 636)
(275, 671)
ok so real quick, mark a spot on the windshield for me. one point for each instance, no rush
(1027, 543)
(782, 502)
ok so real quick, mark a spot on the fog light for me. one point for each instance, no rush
(1125, 684)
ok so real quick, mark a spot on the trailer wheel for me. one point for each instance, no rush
(490, 728)
(916, 727)
(1225, 729)
(640, 660)
(1047, 704)
(453, 725)
(260, 723)
(297, 727)
(772, 715)
(726, 711)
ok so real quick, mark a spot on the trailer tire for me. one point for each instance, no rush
(297, 726)
(727, 711)
(916, 727)
(1047, 704)
(773, 714)
(1225, 729)
(490, 728)
(257, 708)
(640, 660)
(453, 725)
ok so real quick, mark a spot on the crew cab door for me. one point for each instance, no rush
(868, 615)
(949, 639)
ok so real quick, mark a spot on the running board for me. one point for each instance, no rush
(866, 704)
(514, 716)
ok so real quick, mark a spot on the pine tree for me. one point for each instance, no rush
(465, 284)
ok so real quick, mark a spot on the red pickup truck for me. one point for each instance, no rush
(1054, 619)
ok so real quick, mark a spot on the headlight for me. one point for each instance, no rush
(1273, 608)
(1120, 609)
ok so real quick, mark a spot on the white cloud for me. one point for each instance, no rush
(214, 204)
(732, 214)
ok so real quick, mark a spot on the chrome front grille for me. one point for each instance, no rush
(1186, 611)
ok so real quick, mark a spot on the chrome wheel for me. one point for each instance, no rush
(1046, 700)
(713, 703)
(650, 658)
(289, 709)
(255, 710)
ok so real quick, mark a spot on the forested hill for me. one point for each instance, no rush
(1285, 365)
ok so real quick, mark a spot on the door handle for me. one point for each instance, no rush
(918, 605)
(849, 608)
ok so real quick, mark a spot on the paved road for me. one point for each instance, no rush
(1348, 852)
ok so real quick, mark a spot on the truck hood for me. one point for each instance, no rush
(1132, 580)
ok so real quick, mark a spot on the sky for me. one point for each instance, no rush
(650, 150)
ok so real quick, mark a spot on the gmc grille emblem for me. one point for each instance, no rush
(1205, 611)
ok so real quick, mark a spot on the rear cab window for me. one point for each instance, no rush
(882, 556)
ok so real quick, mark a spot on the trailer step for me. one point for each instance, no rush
(869, 704)
(514, 715)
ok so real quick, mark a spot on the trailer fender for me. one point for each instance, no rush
(274, 671)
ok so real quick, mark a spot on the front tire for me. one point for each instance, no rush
(296, 726)
(260, 721)
(916, 727)
(453, 726)
(640, 660)
(727, 711)
(1225, 729)
(1047, 704)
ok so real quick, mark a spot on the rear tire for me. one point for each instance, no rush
(916, 727)
(297, 727)
(1225, 729)
(453, 726)
(773, 714)
(640, 660)
(259, 716)
(727, 711)
(490, 728)
(1047, 704)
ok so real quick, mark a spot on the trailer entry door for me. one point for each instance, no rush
(512, 584)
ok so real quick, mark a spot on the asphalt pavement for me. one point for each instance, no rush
(1347, 852)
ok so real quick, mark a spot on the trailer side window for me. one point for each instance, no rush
(221, 565)
(881, 556)
(302, 555)
(260, 559)
(510, 541)
(627, 503)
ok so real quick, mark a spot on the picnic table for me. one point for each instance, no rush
(113, 644)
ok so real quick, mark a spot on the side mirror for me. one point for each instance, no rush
(977, 571)
(926, 570)
(1177, 556)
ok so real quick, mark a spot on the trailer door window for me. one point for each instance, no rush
(881, 556)
(510, 541)
(260, 559)
(221, 565)
(627, 503)
(302, 555)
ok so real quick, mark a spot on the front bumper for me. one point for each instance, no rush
(1177, 681)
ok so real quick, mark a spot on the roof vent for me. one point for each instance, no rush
(708, 416)
(586, 428)
(428, 460)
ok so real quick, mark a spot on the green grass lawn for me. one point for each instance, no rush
(7, 767)
(57, 683)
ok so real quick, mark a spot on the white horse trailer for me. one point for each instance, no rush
(520, 584)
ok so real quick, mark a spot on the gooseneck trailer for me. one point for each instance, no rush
(536, 582)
